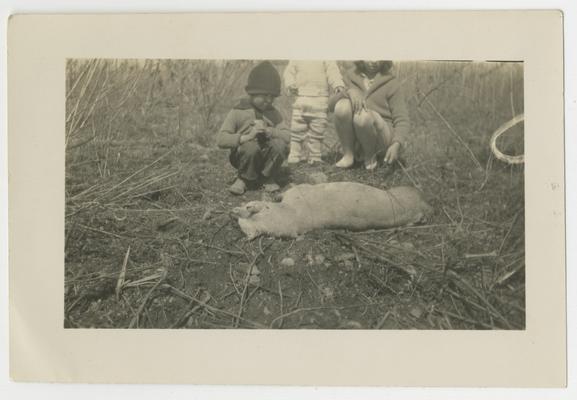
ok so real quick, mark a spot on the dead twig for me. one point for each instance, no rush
(184, 319)
(390, 263)
(482, 255)
(122, 275)
(231, 252)
(467, 320)
(211, 308)
(508, 275)
(135, 173)
(383, 320)
(509, 231)
(455, 134)
(438, 86)
(406, 172)
(469, 287)
(305, 309)
(220, 228)
(246, 284)
(135, 319)
(281, 304)
(232, 280)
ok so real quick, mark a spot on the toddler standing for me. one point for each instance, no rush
(310, 82)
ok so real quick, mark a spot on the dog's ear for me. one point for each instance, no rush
(254, 207)
(240, 212)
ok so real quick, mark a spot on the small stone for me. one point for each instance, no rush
(317, 177)
(254, 280)
(287, 262)
(327, 293)
(245, 268)
(319, 259)
(345, 257)
(408, 246)
(350, 325)
(416, 312)
(266, 196)
(207, 214)
(204, 157)
(411, 270)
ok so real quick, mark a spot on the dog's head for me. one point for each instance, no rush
(259, 217)
(249, 209)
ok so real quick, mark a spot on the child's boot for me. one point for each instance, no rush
(238, 187)
(269, 185)
(296, 152)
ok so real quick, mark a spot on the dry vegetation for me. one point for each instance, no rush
(150, 244)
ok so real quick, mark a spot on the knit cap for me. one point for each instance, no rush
(264, 79)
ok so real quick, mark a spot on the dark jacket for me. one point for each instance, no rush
(240, 120)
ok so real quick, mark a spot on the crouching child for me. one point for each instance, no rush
(255, 133)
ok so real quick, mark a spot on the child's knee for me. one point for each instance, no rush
(279, 147)
(318, 126)
(249, 149)
(343, 109)
(363, 119)
(298, 129)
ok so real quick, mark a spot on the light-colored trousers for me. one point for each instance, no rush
(309, 117)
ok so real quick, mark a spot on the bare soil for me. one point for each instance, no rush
(188, 265)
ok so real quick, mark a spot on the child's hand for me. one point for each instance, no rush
(392, 153)
(357, 101)
(252, 135)
(268, 132)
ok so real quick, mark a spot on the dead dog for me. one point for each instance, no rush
(336, 205)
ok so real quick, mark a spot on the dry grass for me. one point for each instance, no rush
(149, 243)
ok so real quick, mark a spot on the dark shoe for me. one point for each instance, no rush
(238, 187)
(269, 185)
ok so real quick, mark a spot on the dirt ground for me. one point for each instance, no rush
(153, 245)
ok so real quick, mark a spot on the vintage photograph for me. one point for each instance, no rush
(294, 194)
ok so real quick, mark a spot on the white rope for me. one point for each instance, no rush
(502, 129)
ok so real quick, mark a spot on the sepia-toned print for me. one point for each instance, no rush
(294, 194)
